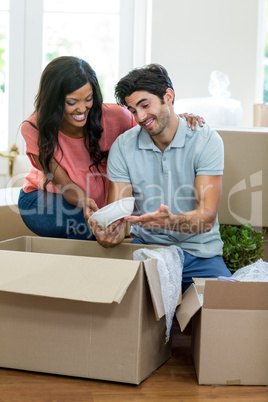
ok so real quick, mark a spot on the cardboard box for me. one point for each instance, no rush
(65, 310)
(261, 115)
(230, 331)
(11, 224)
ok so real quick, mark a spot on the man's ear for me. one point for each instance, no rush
(169, 96)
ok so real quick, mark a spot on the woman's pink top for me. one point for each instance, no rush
(75, 159)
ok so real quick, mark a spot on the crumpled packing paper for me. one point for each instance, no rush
(256, 272)
(169, 265)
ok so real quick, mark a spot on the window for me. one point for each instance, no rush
(262, 54)
(265, 67)
(90, 30)
(33, 32)
(4, 38)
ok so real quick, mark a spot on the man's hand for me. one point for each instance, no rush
(162, 218)
(110, 236)
(192, 120)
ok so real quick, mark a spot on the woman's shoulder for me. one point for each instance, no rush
(30, 121)
(113, 110)
(117, 116)
(115, 121)
(29, 127)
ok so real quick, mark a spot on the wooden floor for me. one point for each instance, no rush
(174, 381)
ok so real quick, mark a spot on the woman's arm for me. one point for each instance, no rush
(192, 119)
(71, 192)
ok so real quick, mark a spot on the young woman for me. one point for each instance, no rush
(68, 138)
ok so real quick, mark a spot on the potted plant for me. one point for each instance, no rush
(242, 245)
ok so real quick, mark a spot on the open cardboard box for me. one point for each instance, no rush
(74, 308)
(230, 331)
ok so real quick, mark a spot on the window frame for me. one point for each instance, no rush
(25, 39)
(261, 60)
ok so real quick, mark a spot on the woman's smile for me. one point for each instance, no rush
(77, 107)
(80, 117)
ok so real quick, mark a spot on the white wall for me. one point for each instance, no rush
(194, 37)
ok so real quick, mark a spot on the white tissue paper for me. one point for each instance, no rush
(256, 272)
(219, 110)
(169, 265)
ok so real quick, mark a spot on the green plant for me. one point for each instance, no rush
(242, 245)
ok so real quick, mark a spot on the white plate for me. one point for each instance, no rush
(114, 211)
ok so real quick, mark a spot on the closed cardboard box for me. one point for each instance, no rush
(230, 331)
(261, 115)
(12, 224)
(74, 308)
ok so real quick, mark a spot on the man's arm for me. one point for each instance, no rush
(199, 220)
(117, 191)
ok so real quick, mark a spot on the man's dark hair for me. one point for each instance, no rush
(152, 78)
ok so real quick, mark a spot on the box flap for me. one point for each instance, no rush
(85, 248)
(200, 284)
(21, 243)
(67, 277)
(236, 295)
(155, 287)
(189, 306)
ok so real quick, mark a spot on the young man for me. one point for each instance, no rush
(174, 173)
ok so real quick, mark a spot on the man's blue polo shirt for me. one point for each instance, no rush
(168, 178)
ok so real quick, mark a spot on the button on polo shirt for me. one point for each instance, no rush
(168, 178)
